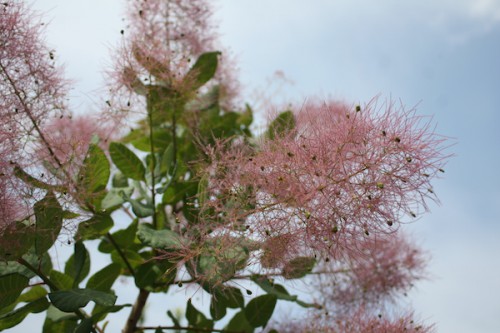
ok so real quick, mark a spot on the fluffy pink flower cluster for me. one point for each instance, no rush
(69, 139)
(164, 39)
(31, 87)
(31, 91)
(342, 174)
(359, 322)
(385, 268)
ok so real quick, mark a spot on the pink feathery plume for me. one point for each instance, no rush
(357, 322)
(386, 268)
(31, 86)
(69, 139)
(341, 175)
(31, 92)
(164, 39)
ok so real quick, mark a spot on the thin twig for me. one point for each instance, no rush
(187, 328)
(120, 253)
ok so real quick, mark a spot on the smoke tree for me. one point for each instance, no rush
(191, 198)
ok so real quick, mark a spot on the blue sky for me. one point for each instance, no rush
(443, 55)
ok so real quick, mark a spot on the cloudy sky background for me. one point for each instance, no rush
(442, 55)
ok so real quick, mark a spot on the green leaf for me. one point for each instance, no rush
(196, 318)
(30, 180)
(230, 297)
(147, 274)
(13, 318)
(14, 267)
(279, 291)
(85, 326)
(167, 159)
(239, 323)
(11, 287)
(72, 300)
(56, 315)
(298, 267)
(61, 280)
(94, 175)
(246, 118)
(281, 125)
(203, 102)
(179, 191)
(95, 227)
(174, 319)
(217, 309)
(272, 288)
(68, 215)
(162, 137)
(78, 265)
(32, 294)
(161, 103)
(203, 191)
(225, 297)
(49, 219)
(16, 239)
(155, 275)
(100, 312)
(133, 258)
(116, 197)
(159, 239)
(119, 180)
(217, 124)
(203, 70)
(220, 263)
(260, 309)
(141, 209)
(64, 326)
(124, 238)
(104, 279)
(44, 264)
(126, 161)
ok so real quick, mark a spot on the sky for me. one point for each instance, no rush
(442, 56)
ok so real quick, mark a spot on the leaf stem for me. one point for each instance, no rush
(187, 328)
(120, 253)
(152, 167)
(38, 272)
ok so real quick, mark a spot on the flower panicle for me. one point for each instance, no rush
(340, 175)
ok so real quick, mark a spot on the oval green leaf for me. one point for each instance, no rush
(298, 267)
(49, 217)
(260, 309)
(72, 300)
(126, 161)
(11, 286)
(203, 70)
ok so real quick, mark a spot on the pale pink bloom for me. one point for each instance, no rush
(163, 40)
(31, 92)
(31, 86)
(357, 322)
(70, 137)
(384, 268)
(11, 208)
(341, 175)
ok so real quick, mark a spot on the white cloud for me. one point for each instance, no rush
(485, 9)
